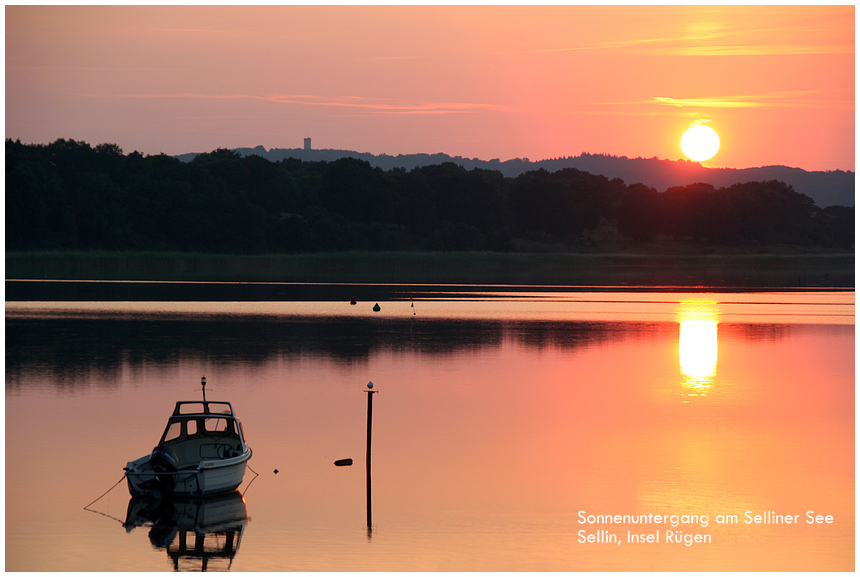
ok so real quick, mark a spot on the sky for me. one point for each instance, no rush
(537, 82)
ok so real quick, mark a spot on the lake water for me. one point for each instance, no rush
(510, 428)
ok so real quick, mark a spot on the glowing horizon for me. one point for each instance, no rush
(482, 82)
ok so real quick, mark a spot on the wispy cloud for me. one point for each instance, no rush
(781, 99)
(701, 45)
(716, 39)
(597, 46)
(394, 58)
(723, 102)
(196, 30)
(759, 50)
(367, 105)
(99, 68)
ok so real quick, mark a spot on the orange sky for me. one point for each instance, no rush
(776, 82)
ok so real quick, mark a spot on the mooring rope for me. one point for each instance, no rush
(87, 508)
(256, 474)
(121, 479)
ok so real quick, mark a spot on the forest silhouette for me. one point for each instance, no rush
(826, 188)
(69, 195)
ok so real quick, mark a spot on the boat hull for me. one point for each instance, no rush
(208, 477)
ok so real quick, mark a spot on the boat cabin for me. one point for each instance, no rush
(200, 430)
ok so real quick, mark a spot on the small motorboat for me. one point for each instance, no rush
(202, 452)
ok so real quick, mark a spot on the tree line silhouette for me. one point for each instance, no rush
(70, 195)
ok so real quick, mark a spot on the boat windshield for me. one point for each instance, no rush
(191, 427)
(198, 407)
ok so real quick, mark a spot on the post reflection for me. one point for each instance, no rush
(697, 346)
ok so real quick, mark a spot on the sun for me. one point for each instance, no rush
(700, 142)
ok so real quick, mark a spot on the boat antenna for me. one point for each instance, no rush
(203, 384)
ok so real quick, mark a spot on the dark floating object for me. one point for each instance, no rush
(276, 471)
(343, 463)
(352, 301)
(376, 308)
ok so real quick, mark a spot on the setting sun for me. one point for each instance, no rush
(700, 142)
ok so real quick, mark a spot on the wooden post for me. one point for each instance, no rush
(369, 392)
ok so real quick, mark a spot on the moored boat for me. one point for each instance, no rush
(201, 452)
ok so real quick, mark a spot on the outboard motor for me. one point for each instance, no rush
(164, 460)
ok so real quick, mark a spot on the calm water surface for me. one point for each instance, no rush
(509, 429)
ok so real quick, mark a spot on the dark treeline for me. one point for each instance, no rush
(70, 195)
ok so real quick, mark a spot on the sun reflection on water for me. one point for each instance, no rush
(697, 345)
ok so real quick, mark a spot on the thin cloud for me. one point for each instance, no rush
(613, 45)
(763, 50)
(355, 102)
(197, 30)
(713, 39)
(724, 102)
(782, 99)
(696, 46)
(386, 58)
(101, 68)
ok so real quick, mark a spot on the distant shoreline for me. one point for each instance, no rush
(825, 187)
(644, 266)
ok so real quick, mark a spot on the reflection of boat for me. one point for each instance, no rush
(202, 452)
(197, 533)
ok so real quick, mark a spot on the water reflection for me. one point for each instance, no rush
(197, 534)
(492, 433)
(76, 352)
(697, 345)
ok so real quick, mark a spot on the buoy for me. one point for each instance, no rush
(376, 308)
(352, 301)
(276, 471)
(343, 463)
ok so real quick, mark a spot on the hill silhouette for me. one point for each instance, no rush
(826, 188)
(73, 196)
